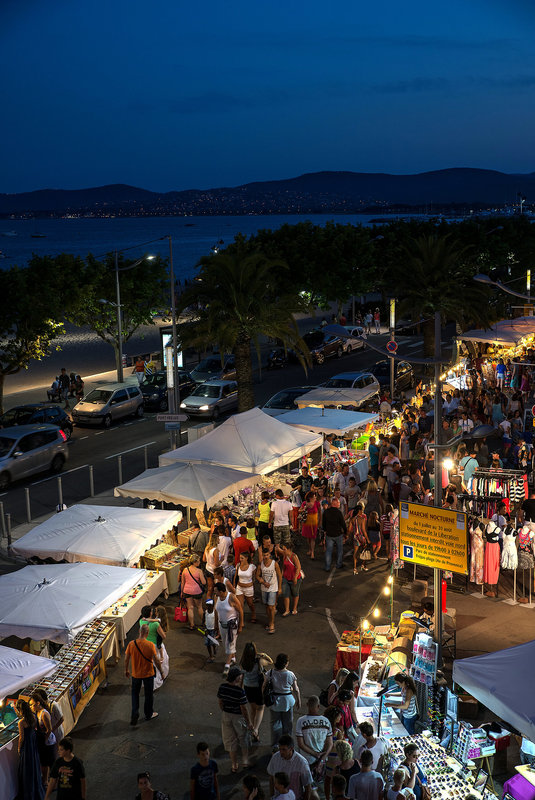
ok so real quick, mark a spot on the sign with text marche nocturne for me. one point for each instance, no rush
(433, 537)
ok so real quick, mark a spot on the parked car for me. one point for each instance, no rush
(284, 400)
(404, 377)
(154, 389)
(211, 369)
(108, 403)
(211, 399)
(37, 414)
(324, 345)
(354, 343)
(353, 380)
(28, 449)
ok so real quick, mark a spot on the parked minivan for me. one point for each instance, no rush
(28, 449)
(108, 403)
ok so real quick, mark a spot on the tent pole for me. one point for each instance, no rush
(188, 515)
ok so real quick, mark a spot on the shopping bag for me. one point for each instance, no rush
(181, 614)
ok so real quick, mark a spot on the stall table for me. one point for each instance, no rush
(152, 558)
(127, 610)
(81, 670)
(390, 724)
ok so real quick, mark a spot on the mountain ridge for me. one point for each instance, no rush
(312, 192)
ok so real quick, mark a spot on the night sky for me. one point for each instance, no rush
(175, 95)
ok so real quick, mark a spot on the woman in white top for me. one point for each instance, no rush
(287, 696)
(243, 581)
(229, 617)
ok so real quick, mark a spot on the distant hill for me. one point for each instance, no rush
(317, 192)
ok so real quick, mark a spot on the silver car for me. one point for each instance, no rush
(28, 449)
(211, 399)
(107, 403)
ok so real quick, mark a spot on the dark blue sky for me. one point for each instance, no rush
(174, 95)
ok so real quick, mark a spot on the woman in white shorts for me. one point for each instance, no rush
(244, 583)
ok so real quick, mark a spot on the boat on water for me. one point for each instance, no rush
(38, 235)
(9, 233)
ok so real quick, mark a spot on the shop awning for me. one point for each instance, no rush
(18, 669)
(194, 485)
(499, 681)
(98, 534)
(251, 441)
(323, 396)
(327, 420)
(55, 601)
(506, 332)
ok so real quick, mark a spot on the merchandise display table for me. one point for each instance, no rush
(127, 610)
(521, 786)
(81, 670)
(390, 724)
(152, 558)
(171, 569)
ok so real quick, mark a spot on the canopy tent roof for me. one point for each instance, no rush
(251, 442)
(324, 396)
(99, 534)
(488, 678)
(327, 420)
(505, 332)
(18, 669)
(194, 485)
(55, 601)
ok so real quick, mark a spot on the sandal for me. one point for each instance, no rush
(271, 630)
(286, 614)
(294, 613)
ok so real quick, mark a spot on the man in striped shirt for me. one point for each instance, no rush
(234, 717)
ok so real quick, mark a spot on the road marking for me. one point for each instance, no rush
(100, 433)
(3, 494)
(413, 345)
(83, 437)
(332, 626)
(124, 452)
(330, 578)
(128, 423)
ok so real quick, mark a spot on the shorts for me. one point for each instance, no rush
(291, 589)
(234, 731)
(269, 598)
(374, 536)
(246, 591)
(281, 534)
(254, 695)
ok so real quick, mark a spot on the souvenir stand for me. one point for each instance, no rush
(488, 679)
(126, 610)
(117, 535)
(16, 669)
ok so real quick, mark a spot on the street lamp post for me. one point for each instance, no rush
(392, 339)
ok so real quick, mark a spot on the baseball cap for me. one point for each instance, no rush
(233, 673)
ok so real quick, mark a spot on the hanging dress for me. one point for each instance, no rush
(525, 549)
(477, 556)
(509, 552)
(491, 566)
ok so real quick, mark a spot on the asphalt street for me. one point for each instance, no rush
(139, 442)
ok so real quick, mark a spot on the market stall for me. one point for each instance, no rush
(196, 485)
(125, 611)
(17, 668)
(116, 535)
(324, 397)
(251, 441)
(56, 601)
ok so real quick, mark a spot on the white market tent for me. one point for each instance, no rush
(193, 485)
(251, 441)
(327, 420)
(18, 669)
(56, 601)
(488, 678)
(325, 396)
(98, 534)
(506, 332)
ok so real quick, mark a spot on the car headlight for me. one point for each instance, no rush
(204, 408)
(154, 396)
(182, 405)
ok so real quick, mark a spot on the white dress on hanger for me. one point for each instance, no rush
(509, 552)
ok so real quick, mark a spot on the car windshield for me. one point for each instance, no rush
(382, 368)
(154, 381)
(17, 416)
(339, 383)
(209, 365)
(5, 445)
(284, 399)
(206, 390)
(97, 396)
(313, 339)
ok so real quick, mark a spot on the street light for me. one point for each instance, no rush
(118, 306)
(489, 282)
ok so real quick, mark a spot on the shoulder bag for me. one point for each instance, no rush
(202, 586)
(144, 656)
(268, 693)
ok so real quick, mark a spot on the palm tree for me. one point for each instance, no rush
(238, 301)
(437, 275)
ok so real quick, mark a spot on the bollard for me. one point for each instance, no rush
(146, 452)
(120, 468)
(3, 520)
(8, 523)
(28, 510)
(60, 492)
(91, 481)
